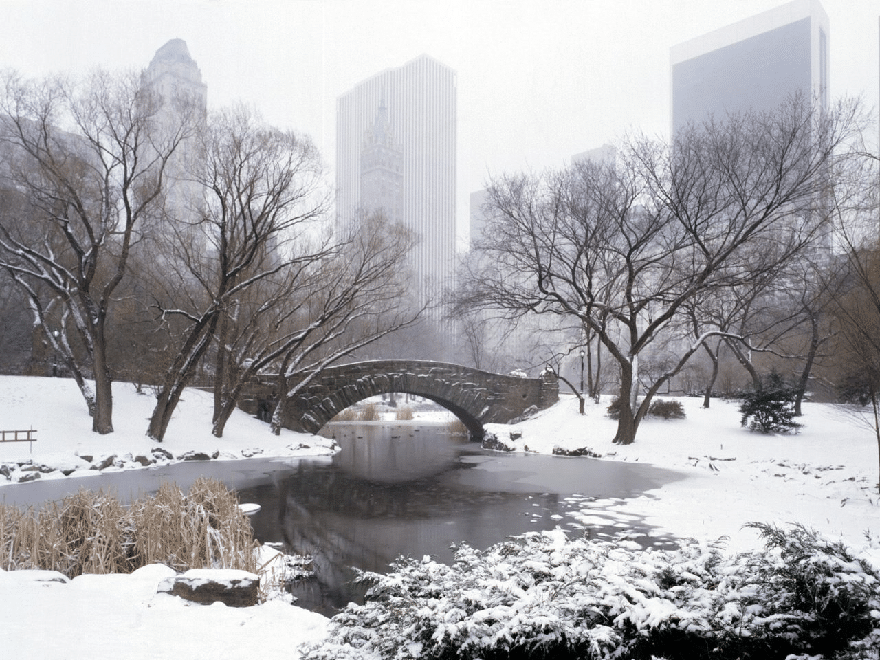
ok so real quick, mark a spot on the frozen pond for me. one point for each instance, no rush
(397, 488)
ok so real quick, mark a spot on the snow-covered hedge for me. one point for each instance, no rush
(544, 596)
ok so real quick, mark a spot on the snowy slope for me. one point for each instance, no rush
(824, 477)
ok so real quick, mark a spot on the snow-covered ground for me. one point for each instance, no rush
(824, 477)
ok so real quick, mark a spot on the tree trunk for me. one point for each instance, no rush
(277, 414)
(275, 425)
(590, 388)
(102, 420)
(808, 366)
(83, 386)
(874, 406)
(220, 366)
(221, 417)
(747, 365)
(166, 402)
(711, 384)
(627, 424)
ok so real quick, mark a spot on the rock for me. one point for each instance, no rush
(491, 441)
(144, 460)
(215, 455)
(230, 587)
(104, 463)
(298, 447)
(161, 454)
(29, 476)
(515, 435)
(527, 413)
(5, 470)
(194, 456)
(254, 451)
(580, 451)
(88, 458)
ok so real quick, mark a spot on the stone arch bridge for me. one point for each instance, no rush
(475, 397)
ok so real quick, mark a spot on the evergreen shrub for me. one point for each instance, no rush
(666, 409)
(543, 596)
(614, 408)
(770, 409)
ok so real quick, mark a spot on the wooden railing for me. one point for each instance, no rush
(29, 436)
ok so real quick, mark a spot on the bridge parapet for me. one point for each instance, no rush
(475, 397)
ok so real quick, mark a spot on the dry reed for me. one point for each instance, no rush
(404, 414)
(369, 413)
(93, 533)
(456, 427)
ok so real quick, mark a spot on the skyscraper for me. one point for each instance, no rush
(395, 151)
(753, 64)
(174, 75)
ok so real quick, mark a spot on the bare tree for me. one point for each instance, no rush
(857, 290)
(315, 312)
(632, 242)
(260, 192)
(357, 301)
(90, 163)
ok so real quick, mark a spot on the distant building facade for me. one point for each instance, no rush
(174, 75)
(607, 153)
(396, 152)
(754, 64)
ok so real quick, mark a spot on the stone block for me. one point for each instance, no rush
(231, 587)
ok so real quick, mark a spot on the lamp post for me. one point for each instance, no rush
(582, 382)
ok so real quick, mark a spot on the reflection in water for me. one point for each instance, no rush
(400, 489)
(394, 489)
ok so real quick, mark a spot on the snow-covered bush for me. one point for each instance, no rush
(543, 596)
(770, 409)
(666, 409)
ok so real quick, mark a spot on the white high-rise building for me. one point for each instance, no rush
(395, 151)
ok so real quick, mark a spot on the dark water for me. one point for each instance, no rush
(411, 490)
(393, 489)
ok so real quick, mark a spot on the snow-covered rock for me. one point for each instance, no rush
(231, 587)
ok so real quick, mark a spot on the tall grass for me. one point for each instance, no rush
(367, 413)
(403, 414)
(93, 533)
(456, 427)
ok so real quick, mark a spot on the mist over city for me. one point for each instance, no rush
(427, 330)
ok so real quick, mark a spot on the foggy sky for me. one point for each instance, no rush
(538, 80)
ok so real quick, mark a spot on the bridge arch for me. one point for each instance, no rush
(475, 397)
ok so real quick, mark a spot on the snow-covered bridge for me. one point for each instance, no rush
(475, 397)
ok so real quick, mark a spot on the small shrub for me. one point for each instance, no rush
(666, 409)
(403, 414)
(770, 409)
(614, 408)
